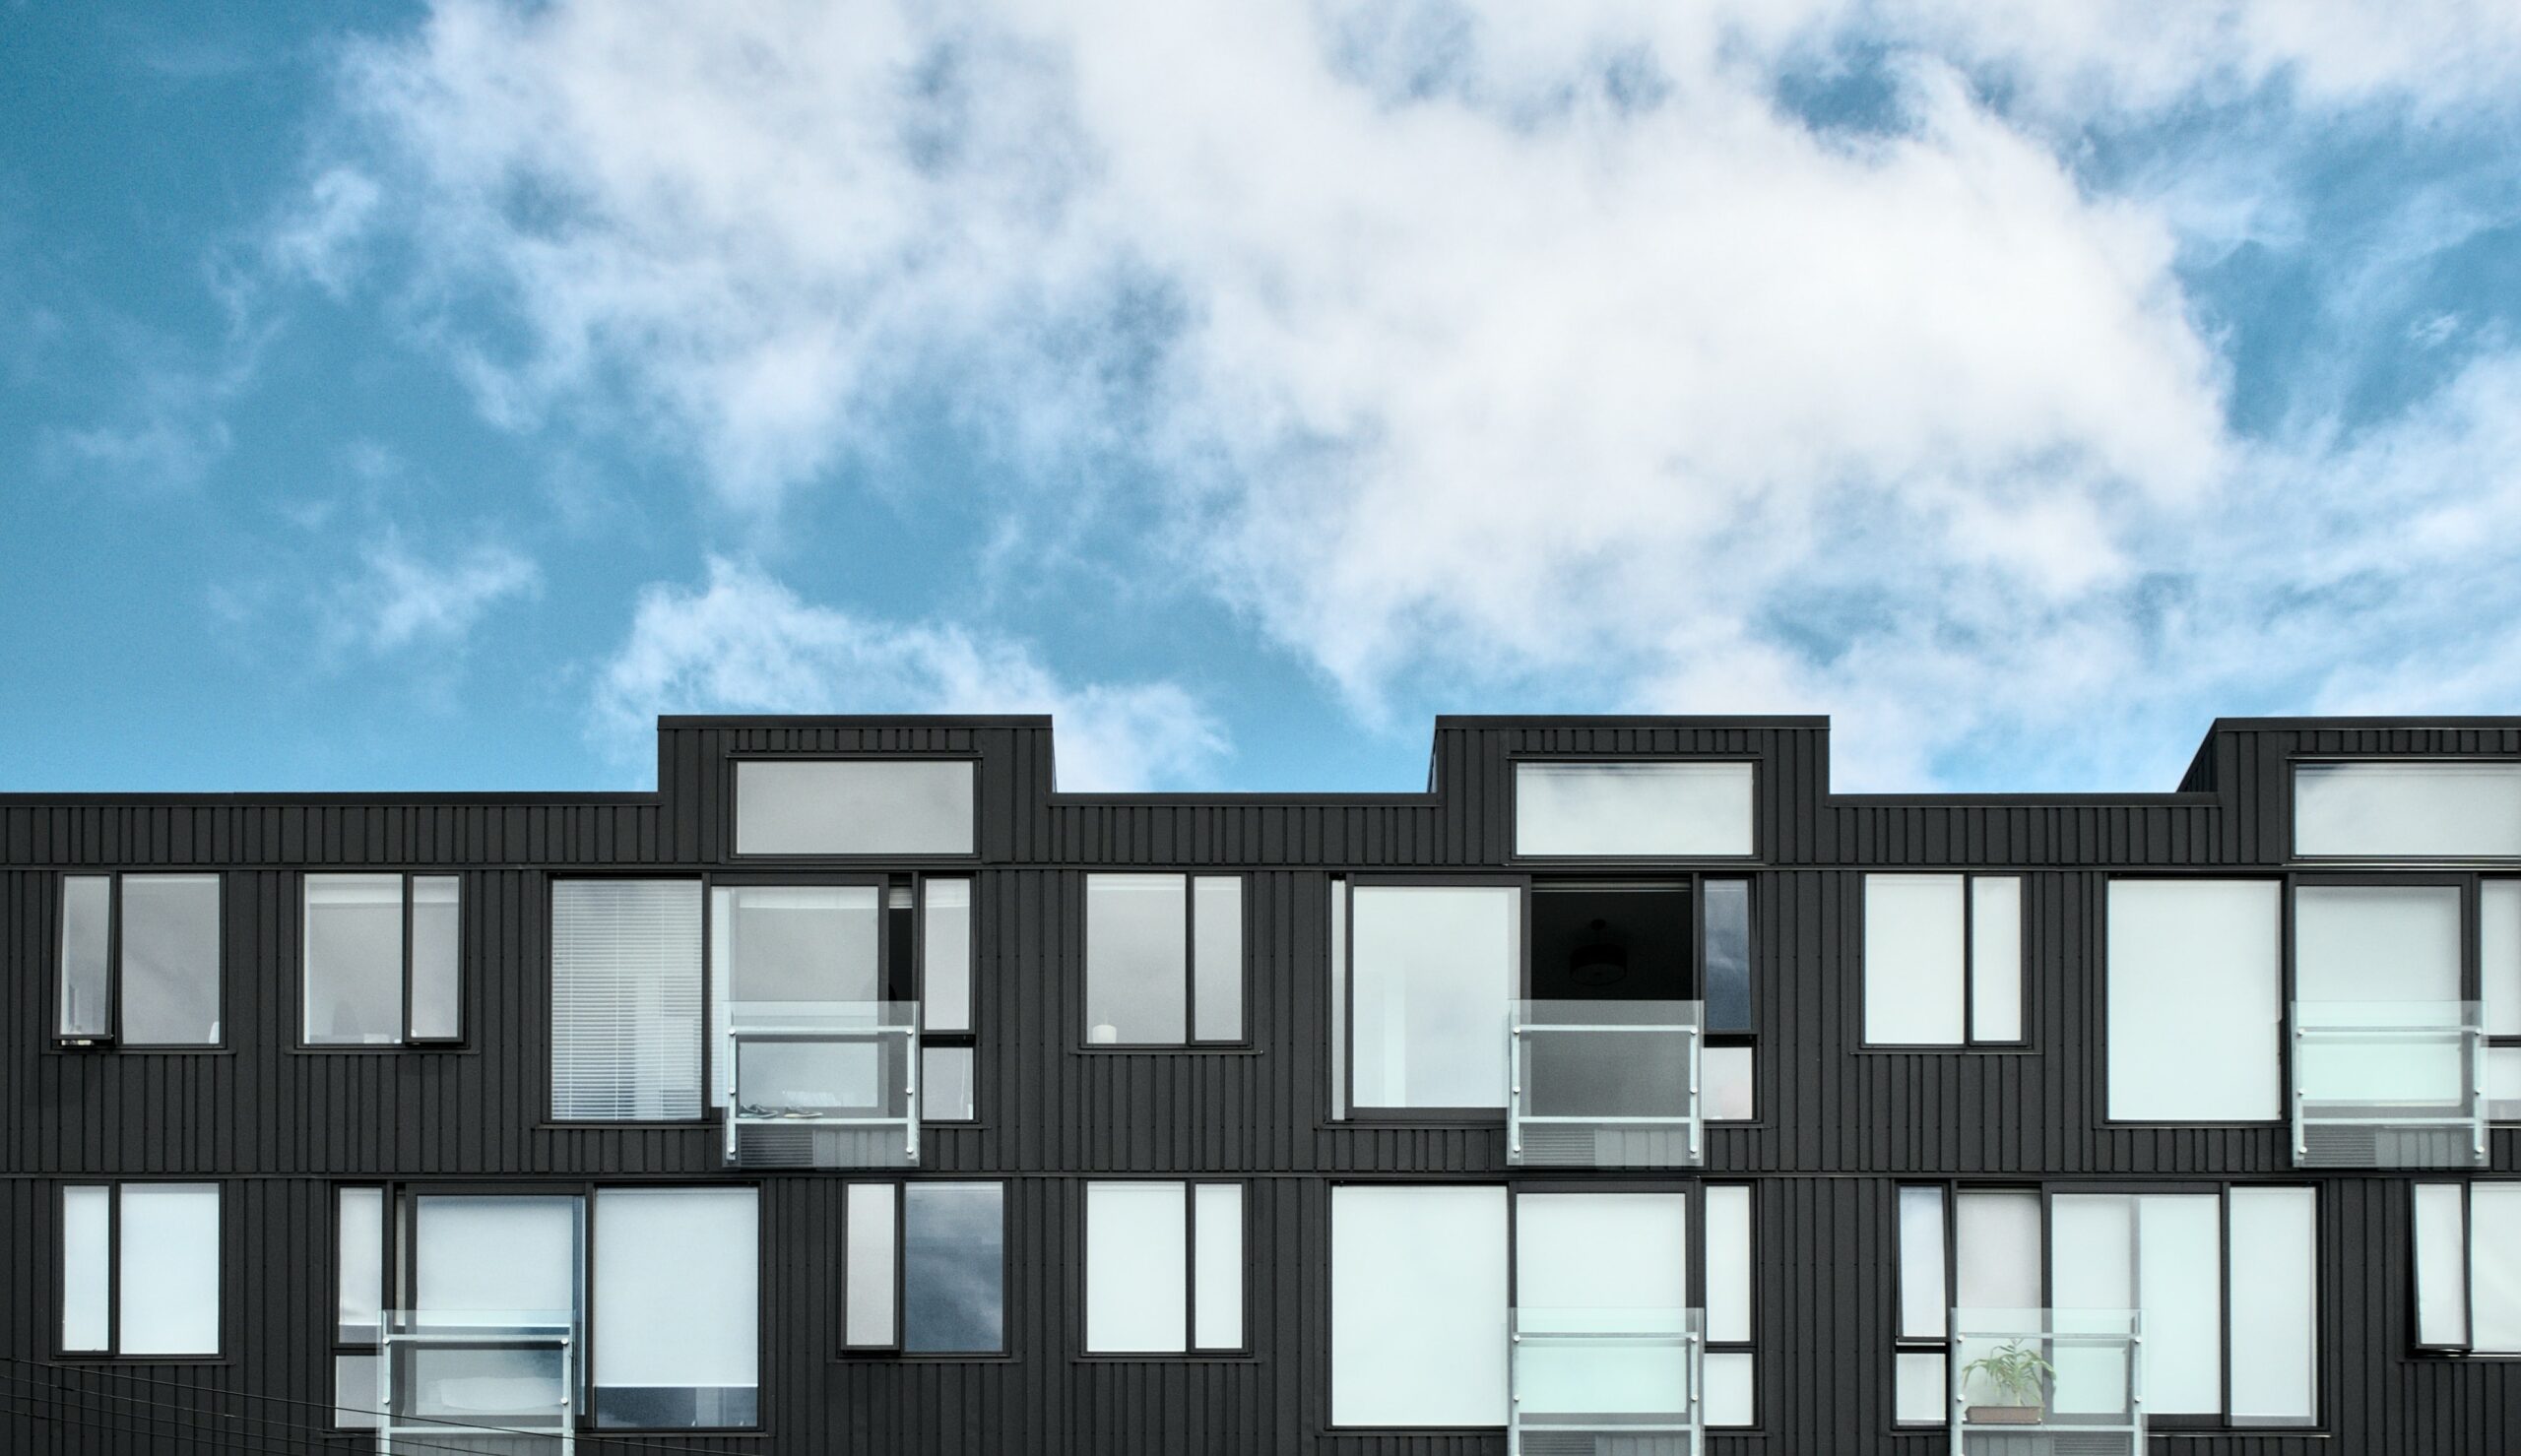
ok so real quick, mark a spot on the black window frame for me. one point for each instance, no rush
(1514, 855)
(1347, 1052)
(1191, 1350)
(1970, 1040)
(897, 1348)
(2465, 1349)
(462, 981)
(113, 1040)
(2100, 1041)
(1191, 1040)
(2294, 762)
(731, 766)
(113, 1353)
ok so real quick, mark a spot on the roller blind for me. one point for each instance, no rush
(2192, 996)
(677, 1298)
(1417, 1307)
(625, 1000)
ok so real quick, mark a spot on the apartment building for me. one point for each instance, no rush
(1626, 1093)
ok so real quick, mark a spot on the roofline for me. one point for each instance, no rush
(2225, 725)
(282, 799)
(853, 720)
(1633, 720)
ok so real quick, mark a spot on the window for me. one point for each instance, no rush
(2193, 1001)
(2439, 809)
(1164, 1267)
(677, 1308)
(1432, 968)
(1942, 960)
(1418, 1306)
(362, 1272)
(1985, 1256)
(2467, 1267)
(625, 1000)
(381, 959)
(139, 1270)
(893, 806)
(923, 1268)
(1163, 953)
(139, 960)
(2499, 994)
(1730, 1368)
(1637, 810)
(947, 1050)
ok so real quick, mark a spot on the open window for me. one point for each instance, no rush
(2467, 1267)
(139, 960)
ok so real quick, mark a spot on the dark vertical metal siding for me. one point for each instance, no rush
(1839, 1128)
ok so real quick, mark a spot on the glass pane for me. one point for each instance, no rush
(1135, 991)
(1727, 922)
(945, 953)
(1216, 1250)
(2367, 944)
(437, 986)
(1417, 1307)
(1727, 1077)
(678, 1311)
(1633, 809)
(1137, 1266)
(1728, 1262)
(2442, 1266)
(2275, 1245)
(1730, 1397)
(1922, 1308)
(2192, 1001)
(2495, 1267)
(478, 1255)
(867, 1224)
(861, 807)
(1217, 958)
(86, 916)
(170, 960)
(354, 1400)
(1918, 1397)
(1995, 958)
(625, 1000)
(954, 1264)
(824, 1078)
(1338, 1057)
(2504, 1083)
(168, 1290)
(359, 1264)
(1434, 967)
(353, 958)
(795, 955)
(2161, 1254)
(2499, 955)
(87, 1267)
(946, 1084)
(1996, 1238)
(2408, 810)
(1913, 959)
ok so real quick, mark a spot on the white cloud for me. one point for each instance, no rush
(1497, 343)
(397, 600)
(745, 643)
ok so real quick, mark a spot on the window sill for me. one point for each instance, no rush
(1948, 1049)
(1191, 1049)
(1158, 1358)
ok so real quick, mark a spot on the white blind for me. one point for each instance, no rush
(166, 1290)
(2192, 1003)
(1417, 1305)
(1217, 1251)
(1137, 1267)
(1913, 959)
(677, 1278)
(625, 1000)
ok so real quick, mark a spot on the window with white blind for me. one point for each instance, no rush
(2195, 1000)
(1942, 960)
(626, 1001)
(2467, 1267)
(139, 1270)
(1164, 1267)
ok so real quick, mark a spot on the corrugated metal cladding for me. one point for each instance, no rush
(1840, 1128)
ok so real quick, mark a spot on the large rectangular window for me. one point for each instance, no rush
(139, 960)
(1433, 970)
(1979, 1249)
(2499, 994)
(625, 1000)
(381, 959)
(857, 807)
(1163, 960)
(2467, 1267)
(1942, 960)
(2408, 809)
(1163, 1267)
(1634, 810)
(1417, 1305)
(923, 1268)
(139, 1270)
(677, 1308)
(2194, 1010)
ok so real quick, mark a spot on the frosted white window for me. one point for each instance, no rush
(354, 958)
(1216, 1253)
(2275, 1243)
(1216, 958)
(796, 954)
(2440, 810)
(1995, 1238)
(946, 956)
(2503, 1082)
(2442, 1266)
(1338, 1057)
(166, 1288)
(360, 1264)
(1913, 959)
(1136, 991)
(355, 1393)
(867, 1222)
(1725, 1086)
(86, 947)
(473, 1255)
(437, 989)
(1434, 969)
(1730, 1397)
(625, 1000)
(1137, 1262)
(1727, 1230)
(2193, 1001)
(2161, 1256)
(1633, 810)
(2495, 1267)
(1607, 1262)
(854, 806)
(169, 960)
(946, 1084)
(1417, 1307)
(87, 1268)
(1917, 1395)
(677, 1306)
(1922, 1313)
(1995, 958)
(2377, 943)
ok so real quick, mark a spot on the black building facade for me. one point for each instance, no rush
(1626, 1092)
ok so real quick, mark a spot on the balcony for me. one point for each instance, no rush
(2047, 1382)
(823, 1086)
(1604, 1084)
(489, 1382)
(2389, 1083)
(1605, 1383)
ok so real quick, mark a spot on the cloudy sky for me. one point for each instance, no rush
(427, 396)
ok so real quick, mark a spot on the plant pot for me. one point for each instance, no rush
(2004, 1414)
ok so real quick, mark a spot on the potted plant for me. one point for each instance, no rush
(2019, 1373)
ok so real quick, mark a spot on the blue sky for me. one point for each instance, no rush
(424, 397)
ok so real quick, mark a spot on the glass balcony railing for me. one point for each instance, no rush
(1604, 1084)
(2389, 1083)
(2047, 1382)
(1605, 1383)
(823, 1086)
(491, 1382)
